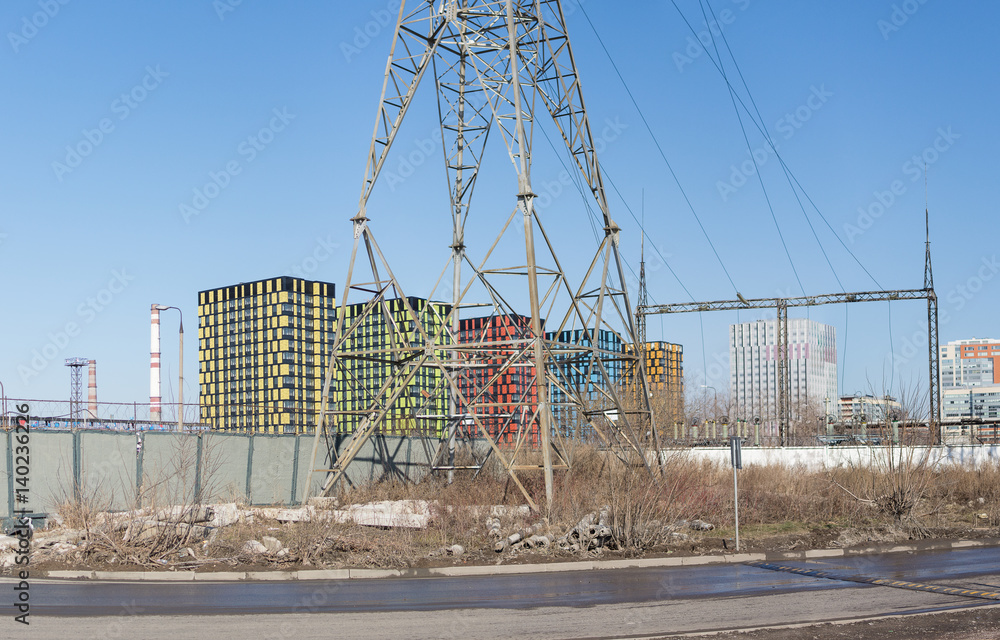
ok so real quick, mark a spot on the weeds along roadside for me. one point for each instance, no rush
(906, 493)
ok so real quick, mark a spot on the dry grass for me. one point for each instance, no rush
(904, 496)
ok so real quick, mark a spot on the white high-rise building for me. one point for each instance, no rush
(753, 368)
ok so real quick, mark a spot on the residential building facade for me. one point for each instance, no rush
(500, 386)
(970, 363)
(575, 371)
(665, 377)
(384, 340)
(971, 402)
(753, 368)
(260, 354)
(869, 409)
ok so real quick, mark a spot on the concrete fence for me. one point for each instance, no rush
(120, 470)
(853, 456)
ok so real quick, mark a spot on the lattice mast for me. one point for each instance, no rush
(76, 366)
(495, 62)
(933, 379)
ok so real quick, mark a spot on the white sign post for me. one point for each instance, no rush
(736, 457)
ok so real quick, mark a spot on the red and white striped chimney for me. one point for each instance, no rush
(92, 390)
(154, 363)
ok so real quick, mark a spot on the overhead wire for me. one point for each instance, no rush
(789, 176)
(753, 158)
(794, 183)
(592, 215)
(659, 148)
(763, 131)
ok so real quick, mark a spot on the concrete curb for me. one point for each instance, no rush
(512, 569)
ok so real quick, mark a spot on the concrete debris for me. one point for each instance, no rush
(406, 514)
(190, 514)
(62, 548)
(537, 541)
(49, 538)
(273, 545)
(225, 514)
(266, 546)
(253, 548)
(300, 514)
(147, 529)
(591, 533)
(517, 539)
(8, 542)
(455, 550)
(323, 502)
(493, 529)
(505, 511)
(700, 525)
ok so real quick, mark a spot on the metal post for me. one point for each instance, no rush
(249, 467)
(784, 376)
(180, 389)
(525, 200)
(10, 475)
(180, 385)
(736, 508)
(736, 459)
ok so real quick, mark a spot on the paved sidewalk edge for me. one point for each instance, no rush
(511, 569)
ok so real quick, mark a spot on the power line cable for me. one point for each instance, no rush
(781, 160)
(767, 137)
(659, 148)
(753, 158)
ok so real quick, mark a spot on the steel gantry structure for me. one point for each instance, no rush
(497, 65)
(781, 305)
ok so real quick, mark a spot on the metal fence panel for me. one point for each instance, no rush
(224, 467)
(273, 462)
(51, 478)
(107, 469)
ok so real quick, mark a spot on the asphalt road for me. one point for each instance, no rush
(598, 604)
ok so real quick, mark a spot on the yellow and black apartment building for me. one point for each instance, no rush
(377, 345)
(665, 376)
(261, 349)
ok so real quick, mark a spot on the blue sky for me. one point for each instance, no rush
(157, 98)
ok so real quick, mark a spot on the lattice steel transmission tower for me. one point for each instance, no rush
(497, 66)
(76, 366)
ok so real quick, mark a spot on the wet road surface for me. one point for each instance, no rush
(524, 591)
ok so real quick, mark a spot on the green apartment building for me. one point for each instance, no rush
(384, 341)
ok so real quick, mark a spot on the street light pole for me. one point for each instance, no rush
(180, 375)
